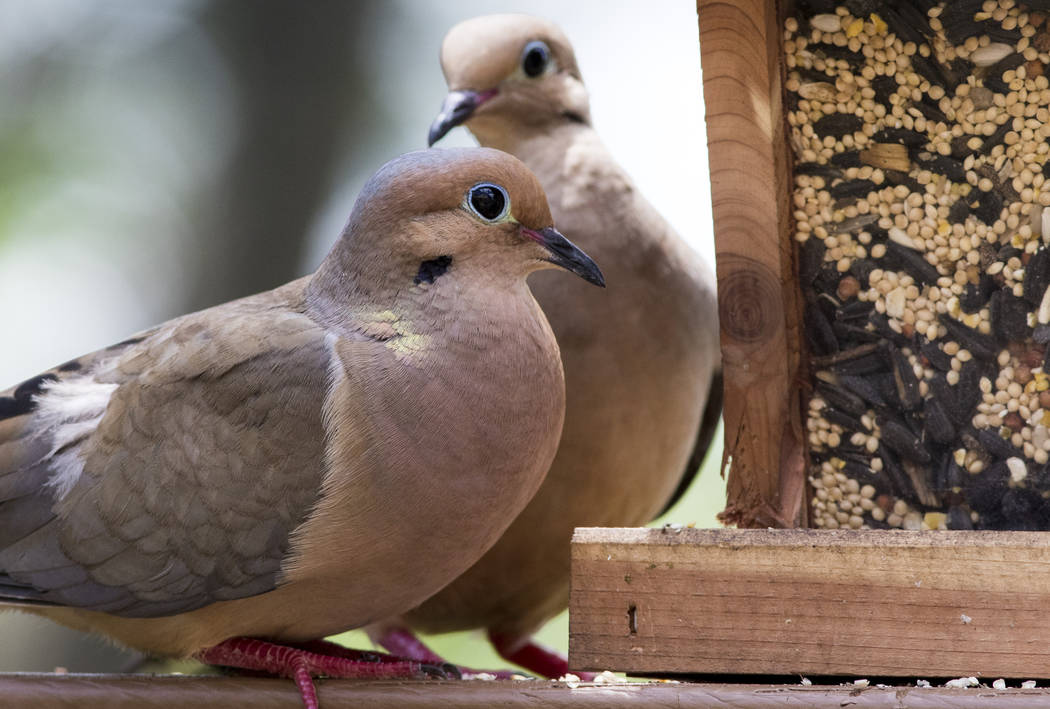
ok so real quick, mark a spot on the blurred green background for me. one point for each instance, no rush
(160, 157)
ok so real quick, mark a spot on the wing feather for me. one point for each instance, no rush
(169, 471)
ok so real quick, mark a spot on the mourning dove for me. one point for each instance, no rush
(307, 460)
(641, 361)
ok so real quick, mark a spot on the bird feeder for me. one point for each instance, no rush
(877, 177)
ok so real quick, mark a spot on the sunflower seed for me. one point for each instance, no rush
(938, 425)
(912, 263)
(982, 346)
(996, 445)
(902, 441)
(959, 518)
(838, 124)
(818, 330)
(936, 356)
(863, 388)
(826, 22)
(904, 378)
(989, 55)
(1011, 321)
(842, 399)
(1037, 276)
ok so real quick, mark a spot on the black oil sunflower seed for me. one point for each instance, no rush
(938, 426)
(904, 378)
(985, 492)
(942, 165)
(975, 295)
(1037, 277)
(912, 263)
(959, 518)
(819, 332)
(1011, 321)
(988, 206)
(996, 445)
(852, 188)
(855, 309)
(904, 136)
(900, 483)
(842, 399)
(864, 388)
(817, 169)
(881, 325)
(847, 422)
(938, 358)
(838, 124)
(811, 258)
(902, 441)
(848, 158)
(980, 345)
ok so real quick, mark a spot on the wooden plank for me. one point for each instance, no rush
(143, 692)
(785, 602)
(758, 301)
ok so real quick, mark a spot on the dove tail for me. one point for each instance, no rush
(26, 500)
(18, 449)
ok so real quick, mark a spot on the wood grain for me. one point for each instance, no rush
(758, 301)
(142, 692)
(785, 602)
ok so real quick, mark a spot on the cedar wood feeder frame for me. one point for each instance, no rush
(758, 302)
(786, 601)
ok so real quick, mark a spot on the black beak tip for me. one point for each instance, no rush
(566, 254)
(591, 273)
(437, 132)
(457, 108)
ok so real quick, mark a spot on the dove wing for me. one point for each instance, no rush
(169, 471)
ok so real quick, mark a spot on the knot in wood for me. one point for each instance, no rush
(749, 302)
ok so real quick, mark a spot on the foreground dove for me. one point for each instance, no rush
(640, 361)
(309, 459)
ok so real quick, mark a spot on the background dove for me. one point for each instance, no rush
(309, 459)
(640, 362)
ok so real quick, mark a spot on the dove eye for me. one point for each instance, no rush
(535, 58)
(488, 201)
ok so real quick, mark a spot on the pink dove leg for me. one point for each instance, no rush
(403, 642)
(534, 657)
(314, 659)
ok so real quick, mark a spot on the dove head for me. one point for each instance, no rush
(508, 74)
(438, 216)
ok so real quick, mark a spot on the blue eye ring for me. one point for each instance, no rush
(488, 201)
(535, 58)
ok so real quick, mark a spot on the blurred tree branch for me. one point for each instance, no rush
(303, 75)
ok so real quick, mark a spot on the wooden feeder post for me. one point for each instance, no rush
(758, 301)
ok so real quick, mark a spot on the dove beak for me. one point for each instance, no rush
(457, 108)
(566, 254)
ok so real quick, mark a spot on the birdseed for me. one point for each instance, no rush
(921, 203)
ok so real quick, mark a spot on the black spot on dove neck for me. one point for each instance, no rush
(430, 270)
